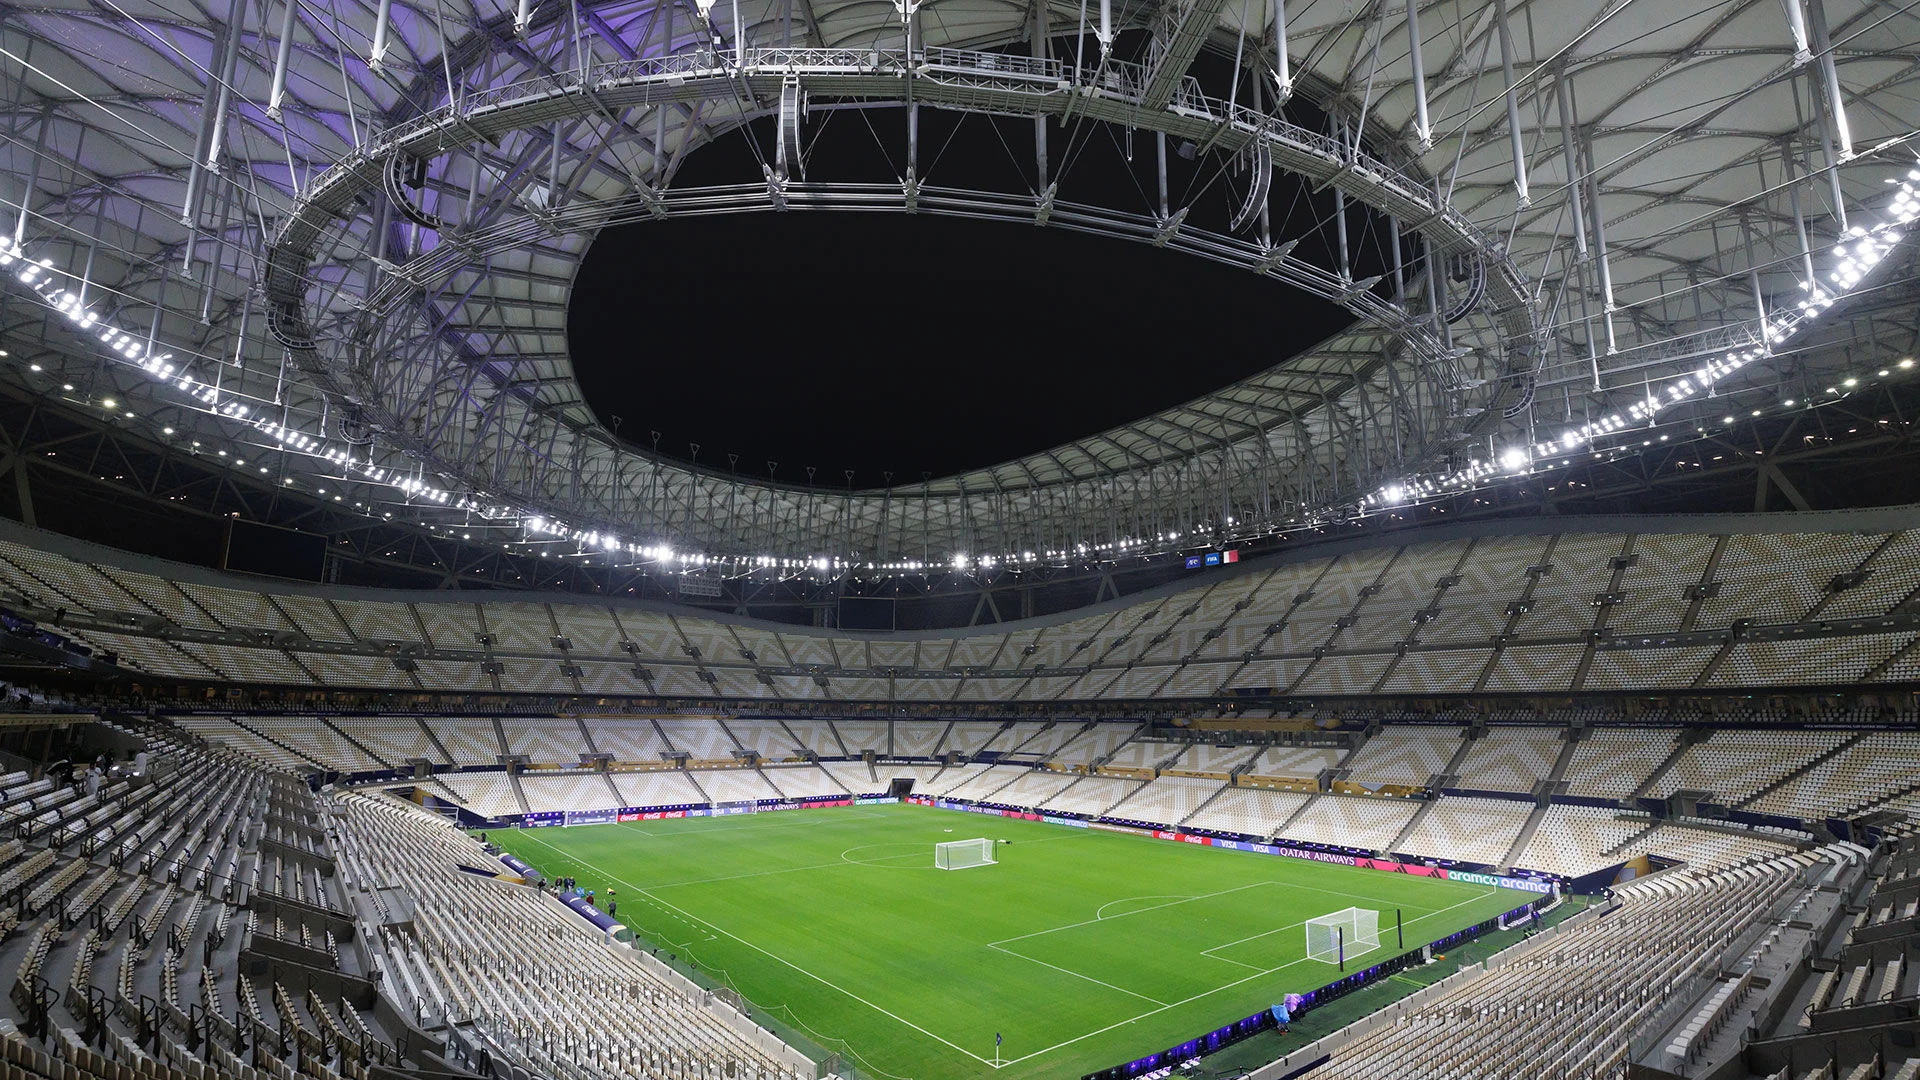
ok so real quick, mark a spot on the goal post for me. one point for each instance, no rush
(1342, 935)
(963, 854)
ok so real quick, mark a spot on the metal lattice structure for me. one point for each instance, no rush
(337, 241)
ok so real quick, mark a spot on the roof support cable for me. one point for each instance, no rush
(1513, 108)
(1753, 279)
(381, 20)
(215, 132)
(1597, 220)
(1564, 95)
(1041, 43)
(278, 94)
(33, 173)
(1792, 184)
(1422, 128)
(1833, 111)
(1797, 24)
(1282, 70)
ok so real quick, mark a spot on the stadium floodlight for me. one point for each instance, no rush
(1351, 932)
(963, 854)
(1514, 459)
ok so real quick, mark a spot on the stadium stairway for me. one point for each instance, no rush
(1631, 840)
(721, 723)
(1014, 779)
(842, 743)
(768, 780)
(145, 909)
(519, 793)
(586, 736)
(1413, 822)
(434, 740)
(790, 733)
(1568, 747)
(1525, 836)
(1085, 727)
(1687, 739)
(255, 730)
(1208, 801)
(1445, 778)
(704, 797)
(1805, 768)
(1849, 1004)
(356, 743)
(1298, 812)
(1891, 798)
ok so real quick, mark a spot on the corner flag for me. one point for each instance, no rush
(996, 1038)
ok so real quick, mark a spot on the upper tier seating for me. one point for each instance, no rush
(1510, 759)
(1295, 762)
(1406, 756)
(1735, 764)
(1313, 624)
(1614, 762)
(1873, 768)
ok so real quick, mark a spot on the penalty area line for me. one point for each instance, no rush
(1075, 974)
(1257, 974)
(690, 917)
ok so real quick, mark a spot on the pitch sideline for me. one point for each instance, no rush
(995, 945)
(689, 916)
(1203, 994)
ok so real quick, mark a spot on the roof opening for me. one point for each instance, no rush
(919, 345)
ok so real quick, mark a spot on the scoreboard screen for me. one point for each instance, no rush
(1213, 558)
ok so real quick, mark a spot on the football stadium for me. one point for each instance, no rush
(960, 539)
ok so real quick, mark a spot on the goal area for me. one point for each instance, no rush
(963, 854)
(1342, 935)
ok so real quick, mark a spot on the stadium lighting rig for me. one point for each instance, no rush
(1855, 256)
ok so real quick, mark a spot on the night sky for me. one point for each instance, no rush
(912, 344)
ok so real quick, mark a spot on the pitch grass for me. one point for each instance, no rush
(1081, 948)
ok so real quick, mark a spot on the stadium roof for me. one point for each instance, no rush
(264, 228)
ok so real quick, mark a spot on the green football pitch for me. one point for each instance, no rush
(1080, 948)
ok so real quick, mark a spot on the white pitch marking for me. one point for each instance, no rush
(1101, 911)
(774, 956)
(1075, 974)
(1000, 1064)
(1259, 973)
(1136, 911)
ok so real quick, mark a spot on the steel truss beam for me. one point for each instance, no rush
(1306, 453)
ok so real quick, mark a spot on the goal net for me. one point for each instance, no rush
(963, 854)
(1347, 933)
